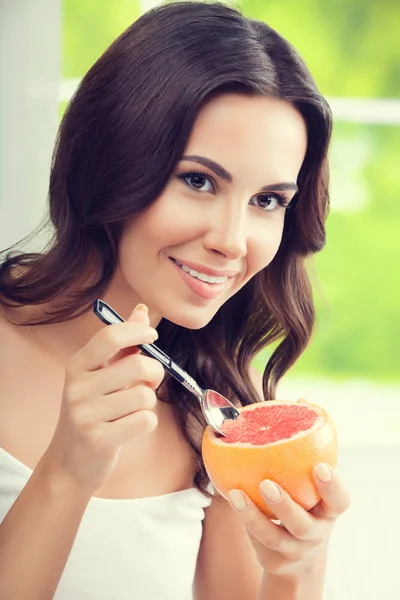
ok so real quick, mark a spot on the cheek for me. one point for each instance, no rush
(168, 221)
(262, 247)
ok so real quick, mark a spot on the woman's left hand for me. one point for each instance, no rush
(289, 549)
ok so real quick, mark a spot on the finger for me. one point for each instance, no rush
(122, 354)
(131, 426)
(139, 314)
(299, 523)
(110, 340)
(335, 498)
(129, 371)
(268, 534)
(120, 404)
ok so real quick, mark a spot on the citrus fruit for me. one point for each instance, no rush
(281, 441)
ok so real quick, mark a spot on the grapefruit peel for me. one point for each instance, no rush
(286, 458)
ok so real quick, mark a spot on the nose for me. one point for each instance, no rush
(226, 233)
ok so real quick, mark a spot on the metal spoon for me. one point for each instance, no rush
(215, 407)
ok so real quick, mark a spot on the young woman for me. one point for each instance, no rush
(189, 184)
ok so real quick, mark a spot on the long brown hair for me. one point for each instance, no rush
(121, 136)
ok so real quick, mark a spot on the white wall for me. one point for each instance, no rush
(30, 60)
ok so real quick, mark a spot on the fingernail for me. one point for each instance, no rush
(323, 472)
(270, 490)
(237, 499)
(154, 333)
(142, 307)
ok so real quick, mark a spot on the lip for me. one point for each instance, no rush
(202, 289)
(206, 270)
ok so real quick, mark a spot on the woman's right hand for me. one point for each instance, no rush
(108, 399)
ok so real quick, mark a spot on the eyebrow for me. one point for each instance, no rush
(226, 176)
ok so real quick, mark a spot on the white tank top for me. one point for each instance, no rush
(139, 549)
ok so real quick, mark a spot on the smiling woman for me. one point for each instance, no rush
(189, 179)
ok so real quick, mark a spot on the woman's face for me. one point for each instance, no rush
(220, 218)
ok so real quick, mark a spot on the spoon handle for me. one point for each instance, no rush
(110, 317)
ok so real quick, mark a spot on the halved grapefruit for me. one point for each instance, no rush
(281, 441)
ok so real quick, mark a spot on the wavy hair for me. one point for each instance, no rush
(121, 136)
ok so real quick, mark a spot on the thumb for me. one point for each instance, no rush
(140, 313)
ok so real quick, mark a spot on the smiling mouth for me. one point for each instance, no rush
(210, 279)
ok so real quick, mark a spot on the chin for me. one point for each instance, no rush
(191, 319)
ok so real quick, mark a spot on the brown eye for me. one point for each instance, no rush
(266, 201)
(197, 181)
(269, 202)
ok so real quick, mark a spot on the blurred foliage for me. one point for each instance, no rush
(89, 27)
(350, 46)
(351, 49)
(357, 277)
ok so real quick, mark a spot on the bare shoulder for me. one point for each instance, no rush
(8, 333)
(14, 342)
(227, 567)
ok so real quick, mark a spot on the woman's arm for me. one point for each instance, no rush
(227, 566)
(37, 534)
(308, 586)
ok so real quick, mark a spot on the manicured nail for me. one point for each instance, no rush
(237, 499)
(323, 472)
(154, 333)
(270, 490)
(142, 307)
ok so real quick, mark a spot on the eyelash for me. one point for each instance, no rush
(282, 200)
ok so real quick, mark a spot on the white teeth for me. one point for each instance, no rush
(201, 276)
(191, 271)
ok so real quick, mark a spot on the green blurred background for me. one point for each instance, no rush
(352, 50)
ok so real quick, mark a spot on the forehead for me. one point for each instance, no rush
(252, 133)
